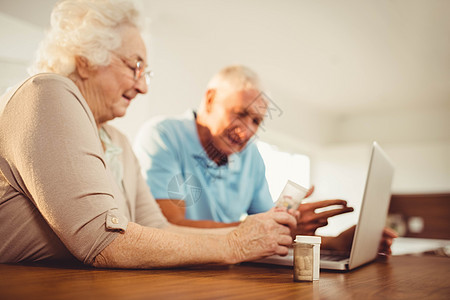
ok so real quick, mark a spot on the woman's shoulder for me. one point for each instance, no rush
(45, 84)
(55, 95)
(50, 80)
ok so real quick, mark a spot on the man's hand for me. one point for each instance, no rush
(343, 242)
(309, 220)
(386, 242)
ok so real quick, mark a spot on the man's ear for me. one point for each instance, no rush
(210, 95)
(83, 66)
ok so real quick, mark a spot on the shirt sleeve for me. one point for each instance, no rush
(57, 163)
(262, 200)
(159, 160)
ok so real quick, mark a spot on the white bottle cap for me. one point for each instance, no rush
(308, 239)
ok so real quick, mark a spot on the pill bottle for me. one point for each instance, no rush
(306, 258)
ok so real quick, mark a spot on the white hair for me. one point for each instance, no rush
(229, 80)
(234, 78)
(87, 28)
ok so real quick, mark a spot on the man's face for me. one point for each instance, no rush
(234, 118)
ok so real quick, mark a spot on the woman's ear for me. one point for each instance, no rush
(83, 66)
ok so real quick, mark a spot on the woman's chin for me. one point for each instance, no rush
(120, 114)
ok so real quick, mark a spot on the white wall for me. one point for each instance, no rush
(401, 126)
(19, 39)
(18, 42)
(417, 140)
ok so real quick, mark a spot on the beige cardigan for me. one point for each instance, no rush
(57, 196)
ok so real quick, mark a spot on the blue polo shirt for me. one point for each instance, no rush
(176, 166)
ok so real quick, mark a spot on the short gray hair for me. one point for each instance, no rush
(235, 78)
(87, 28)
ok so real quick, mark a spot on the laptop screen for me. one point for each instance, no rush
(374, 208)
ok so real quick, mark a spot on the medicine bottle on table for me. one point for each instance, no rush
(306, 258)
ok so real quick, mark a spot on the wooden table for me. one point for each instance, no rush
(401, 277)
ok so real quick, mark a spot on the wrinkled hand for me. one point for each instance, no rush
(309, 220)
(262, 235)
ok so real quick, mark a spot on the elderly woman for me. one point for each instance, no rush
(70, 185)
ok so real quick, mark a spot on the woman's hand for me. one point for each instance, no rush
(262, 235)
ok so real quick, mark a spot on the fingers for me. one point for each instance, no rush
(310, 191)
(278, 209)
(385, 248)
(321, 223)
(326, 203)
(389, 233)
(323, 216)
(334, 212)
(283, 227)
(386, 241)
(282, 250)
(284, 242)
(283, 230)
(293, 212)
(310, 228)
(284, 218)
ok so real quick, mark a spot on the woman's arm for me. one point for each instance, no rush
(143, 247)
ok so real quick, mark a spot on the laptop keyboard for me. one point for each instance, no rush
(331, 257)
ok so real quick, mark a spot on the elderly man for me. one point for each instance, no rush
(202, 167)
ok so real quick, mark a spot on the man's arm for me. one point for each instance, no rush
(307, 222)
(175, 212)
(343, 241)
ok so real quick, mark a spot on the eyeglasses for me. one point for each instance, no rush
(138, 68)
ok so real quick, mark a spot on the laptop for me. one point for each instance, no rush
(372, 219)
